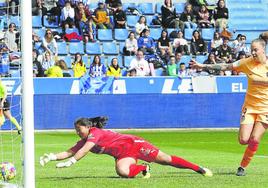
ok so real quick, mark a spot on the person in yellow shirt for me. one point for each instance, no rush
(254, 116)
(5, 107)
(101, 17)
(79, 68)
(54, 71)
(114, 69)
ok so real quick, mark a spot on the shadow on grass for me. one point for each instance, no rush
(79, 177)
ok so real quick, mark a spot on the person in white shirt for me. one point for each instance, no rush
(67, 15)
(10, 38)
(131, 45)
(141, 25)
(180, 44)
(140, 65)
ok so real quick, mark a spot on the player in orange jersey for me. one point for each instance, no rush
(254, 116)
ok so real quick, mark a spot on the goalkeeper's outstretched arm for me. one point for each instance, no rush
(55, 157)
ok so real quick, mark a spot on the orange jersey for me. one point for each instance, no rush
(256, 100)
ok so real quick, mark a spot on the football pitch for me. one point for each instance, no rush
(216, 150)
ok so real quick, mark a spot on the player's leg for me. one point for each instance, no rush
(175, 161)
(245, 131)
(128, 167)
(253, 143)
(12, 119)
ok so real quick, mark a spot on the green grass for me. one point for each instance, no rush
(217, 150)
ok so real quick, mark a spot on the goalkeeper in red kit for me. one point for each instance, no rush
(125, 148)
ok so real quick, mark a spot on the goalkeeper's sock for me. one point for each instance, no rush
(181, 163)
(14, 121)
(249, 153)
(135, 169)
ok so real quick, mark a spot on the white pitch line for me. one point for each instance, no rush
(261, 156)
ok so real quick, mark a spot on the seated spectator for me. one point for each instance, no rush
(131, 45)
(178, 57)
(96, 68)
(216, 41)
(64, 68)
(141, 65)
(101, 17)
(10, 38)
(146, 43)
(67, 16)
(141, 25)
(37, 66)
(120, 17)
(180, 44)
(183, 72)
(54, 71)
(169, 16)
(78, 66)
(240, 45)
(224, 52)
(221, 15)
(211, 60)
(114, 69)
(164, 46)
(37, 7)
(47, 61)
(82, 15)
(13, 7)
(112, 5)
(196, 4)
(188, 17)
(203, 17)
(198, 45)
(172, 69)
(49, 44)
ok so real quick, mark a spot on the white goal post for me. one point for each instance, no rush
(27, 94)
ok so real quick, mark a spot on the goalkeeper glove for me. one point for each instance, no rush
(68, 163)
(46, 158)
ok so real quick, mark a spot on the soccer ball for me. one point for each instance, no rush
(8, 171)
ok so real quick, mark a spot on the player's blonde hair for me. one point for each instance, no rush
(260, 41)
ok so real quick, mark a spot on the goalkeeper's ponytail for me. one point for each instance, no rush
(83, 122)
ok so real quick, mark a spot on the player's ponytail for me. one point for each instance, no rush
(99, 121)
(264, 36)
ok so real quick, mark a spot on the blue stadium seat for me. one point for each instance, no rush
(179, 7)
(146, 8)
(93, 48)
(201, 58)
(109, 48)
(127, 5)
(158, 8)
(155, 33)
(50, 24)
(40, 32)
(188, 33)
(62, 48)
(105, 34)
(127, 60)
(37, 45)
(36, 21)
(132, 20)
(76, 47)
(93, 6)
(120, 34)
(119, 60)
(121, 46)
(185, 59)
(149, 20)
(207, 33)
(71, 30)
(3, 22)
(86, 60)
(2, 9)
(159, 72)
(15, 20)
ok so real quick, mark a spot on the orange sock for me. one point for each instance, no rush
(249, 153)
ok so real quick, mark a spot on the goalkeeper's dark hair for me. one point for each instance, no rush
(98, 122)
